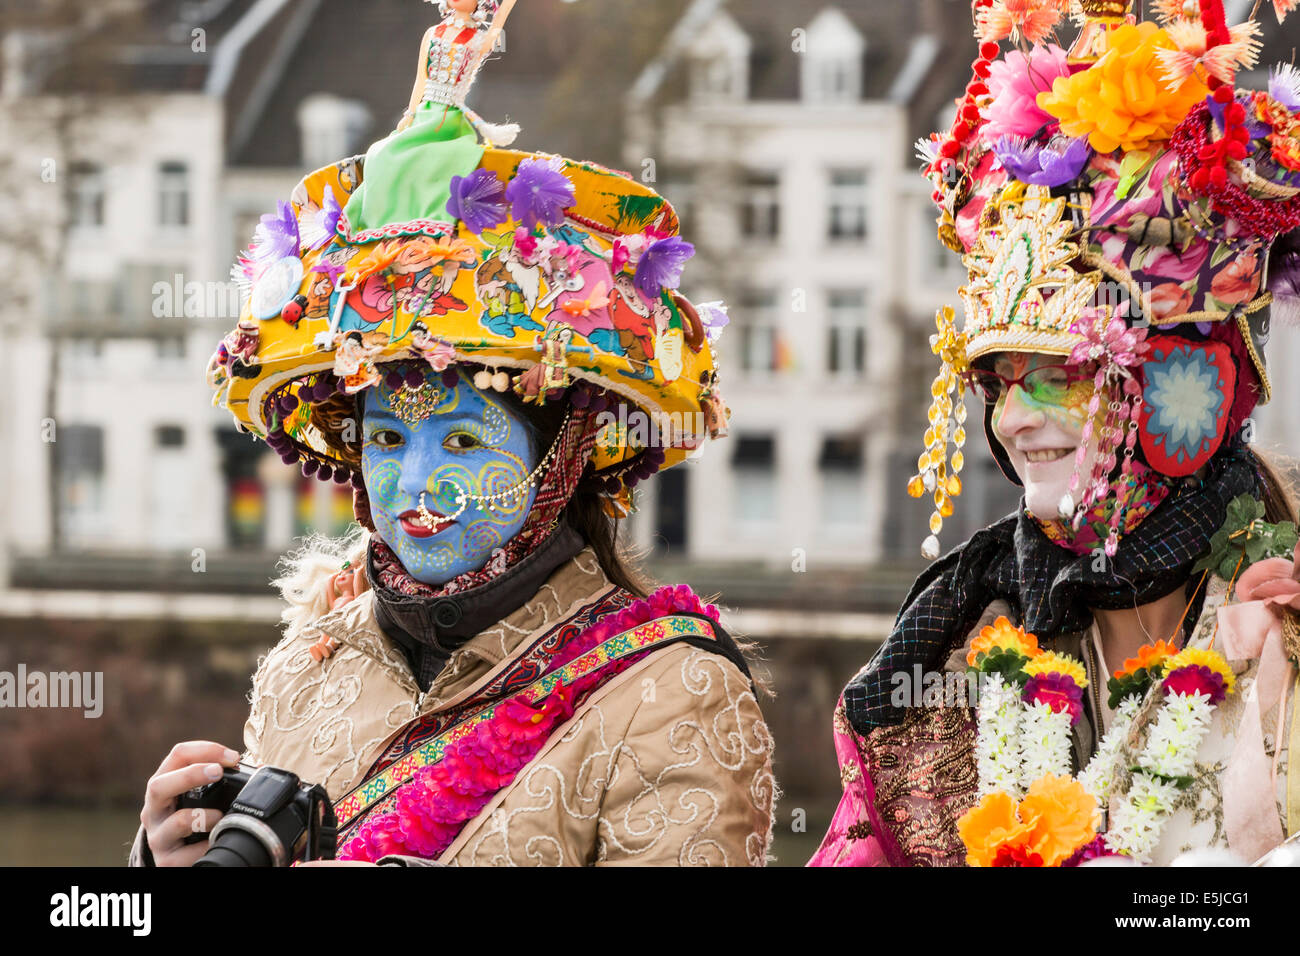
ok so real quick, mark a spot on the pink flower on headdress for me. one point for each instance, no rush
(1014, 84)
(1110, 342)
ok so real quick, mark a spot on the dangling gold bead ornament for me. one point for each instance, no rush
(947, 417)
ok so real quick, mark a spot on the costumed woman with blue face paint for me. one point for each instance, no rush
(476, 677)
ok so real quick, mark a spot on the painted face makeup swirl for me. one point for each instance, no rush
(423, 477)
(1041, 430)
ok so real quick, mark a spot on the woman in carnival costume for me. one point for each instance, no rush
(1111, 670)
(478, 678)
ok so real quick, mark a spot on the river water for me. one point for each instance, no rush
(55, 836)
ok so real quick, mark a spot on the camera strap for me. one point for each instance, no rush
(677, 628)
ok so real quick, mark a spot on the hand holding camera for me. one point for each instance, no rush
(234, 816)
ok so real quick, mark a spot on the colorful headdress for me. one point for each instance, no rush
(552, 278)
(1118, 203)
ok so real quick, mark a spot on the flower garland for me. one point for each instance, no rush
(431, 809)
(1195, 682)
(1029, 701)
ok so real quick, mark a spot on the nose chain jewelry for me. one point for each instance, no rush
(502, 498)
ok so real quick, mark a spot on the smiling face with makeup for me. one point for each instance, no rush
(1041, 428)
(470, 443)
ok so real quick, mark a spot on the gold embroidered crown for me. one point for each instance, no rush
(1023, 292)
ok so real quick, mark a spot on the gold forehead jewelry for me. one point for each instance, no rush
(415, 405)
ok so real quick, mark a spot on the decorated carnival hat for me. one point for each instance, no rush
(1122, 204)
(554, 279)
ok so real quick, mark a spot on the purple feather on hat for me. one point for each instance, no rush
(1284, 86)
(539, 193)
(661, 266)
(478, 200)
(319, 230)
(1058, 162)
(276, 236)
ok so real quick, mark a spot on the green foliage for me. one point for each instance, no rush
(1246, 538)
(1137, 683)
(1010, 664)
(1182, 783)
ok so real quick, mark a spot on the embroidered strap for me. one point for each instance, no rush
(661, 631)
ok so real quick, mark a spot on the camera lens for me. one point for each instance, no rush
(236, 848)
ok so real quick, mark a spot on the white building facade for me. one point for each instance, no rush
(811, 220)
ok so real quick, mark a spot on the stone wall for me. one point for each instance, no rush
(168, 681)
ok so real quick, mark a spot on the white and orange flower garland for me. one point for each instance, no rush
(1032, 812)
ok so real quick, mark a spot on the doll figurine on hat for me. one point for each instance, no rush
(405, 189)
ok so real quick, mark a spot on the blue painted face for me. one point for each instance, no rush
(471, 443)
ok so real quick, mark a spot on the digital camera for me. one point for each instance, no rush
(270, 818)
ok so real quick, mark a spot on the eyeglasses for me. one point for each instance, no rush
(1046, 384)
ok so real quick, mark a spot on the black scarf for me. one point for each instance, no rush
(430, 629)
(1049, 588)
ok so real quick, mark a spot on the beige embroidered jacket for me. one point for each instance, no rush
(667, 764)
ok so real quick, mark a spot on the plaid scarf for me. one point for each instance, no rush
(1048, 587)
(553, 496)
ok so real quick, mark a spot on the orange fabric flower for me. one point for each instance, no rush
(1150, 657)
(1032, 19)
(378, 259)
(1065, 817)
(1121, 101)
(1002, 634)
(1239, 280)
(992, 825)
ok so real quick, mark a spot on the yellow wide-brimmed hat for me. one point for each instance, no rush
(558, 279)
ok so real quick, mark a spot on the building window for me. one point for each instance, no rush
(79, 457)
(87, 195)
(169, 436)
(760, 211)
(834, 81)
(321, 507)
(331, 127)
(173, 195)
(848, 205)
(719, 53)
(846, 327)
(832, 66)
(754, 464)
(758, 328)
(840, 465)
(717, 79)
